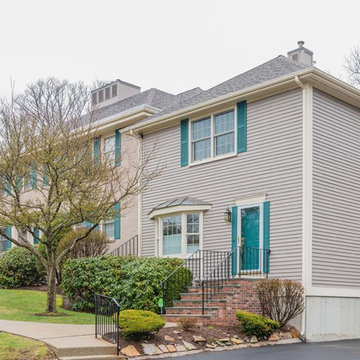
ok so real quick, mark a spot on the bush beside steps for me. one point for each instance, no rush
(139, 324)
(256, 325)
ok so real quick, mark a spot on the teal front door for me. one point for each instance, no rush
(250, 238)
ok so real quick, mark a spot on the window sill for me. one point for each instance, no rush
(227, 156)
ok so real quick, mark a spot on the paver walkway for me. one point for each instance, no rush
(58, 336)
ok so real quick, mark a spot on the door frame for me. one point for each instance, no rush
(260, 205)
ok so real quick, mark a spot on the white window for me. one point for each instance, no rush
(107, 93)
(108, 228)
(109, 150)
(114, 90)
(94, 98)
(213, 136)
(180, 234)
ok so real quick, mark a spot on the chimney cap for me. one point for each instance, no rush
(301, 43)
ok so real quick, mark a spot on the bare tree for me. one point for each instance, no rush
(50, 180)
(352, 66)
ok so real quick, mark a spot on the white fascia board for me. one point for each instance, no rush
(124, 117)
(178, 209)
(312, 75)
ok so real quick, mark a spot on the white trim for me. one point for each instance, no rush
(260, 205)
(159, 234)
(250, 199)
(333, 291)
(212, 157)
(178, 209)
(307, 187)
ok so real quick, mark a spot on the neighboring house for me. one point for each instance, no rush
(268, 160)
(115, 106)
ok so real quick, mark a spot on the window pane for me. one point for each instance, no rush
(172, 235)
(108, 229)
(109, 149)
(201, 149)
(192, 236)
(192, 243)
(201, 129)
(224, 144)
(224, 122)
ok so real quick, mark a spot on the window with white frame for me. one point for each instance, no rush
(108, 228)
(109, 149)
(180, 234)
(213, 136)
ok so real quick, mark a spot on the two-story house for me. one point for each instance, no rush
(268, 161)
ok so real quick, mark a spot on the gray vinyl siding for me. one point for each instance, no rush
(336, 192)
(272, 164)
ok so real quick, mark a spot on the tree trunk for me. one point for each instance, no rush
(51, 289)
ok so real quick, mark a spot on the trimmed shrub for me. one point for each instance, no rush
(133, 282)
(280, 300)
(253, 324)
(139, 324)
(18, 267)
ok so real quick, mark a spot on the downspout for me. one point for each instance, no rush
(139, 222)
(303, 315)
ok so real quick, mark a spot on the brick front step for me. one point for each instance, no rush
(221, 308)
(189, 310)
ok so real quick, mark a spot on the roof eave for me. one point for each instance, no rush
(318, 78)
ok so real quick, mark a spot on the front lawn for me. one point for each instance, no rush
(22, 305)
(19, 348)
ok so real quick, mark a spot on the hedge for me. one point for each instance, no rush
(19, 267)
(133, 282)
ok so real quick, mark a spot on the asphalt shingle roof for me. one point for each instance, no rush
(271, 69)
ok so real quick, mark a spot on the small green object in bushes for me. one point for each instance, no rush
(253, 324)
(139, 324)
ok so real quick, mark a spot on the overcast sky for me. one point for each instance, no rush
(173, 45)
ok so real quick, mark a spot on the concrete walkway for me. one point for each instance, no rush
(64, 339)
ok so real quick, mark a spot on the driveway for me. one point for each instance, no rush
(336, 350)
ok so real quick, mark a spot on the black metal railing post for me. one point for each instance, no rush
(107, 314)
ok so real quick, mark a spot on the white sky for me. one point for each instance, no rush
(173, 45)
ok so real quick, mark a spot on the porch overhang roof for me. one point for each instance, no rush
(177, 205)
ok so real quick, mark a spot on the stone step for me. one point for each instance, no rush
(94, 357)
(85, 351)
(193, 296)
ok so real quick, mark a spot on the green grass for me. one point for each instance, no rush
(22, 305)
(19, 348)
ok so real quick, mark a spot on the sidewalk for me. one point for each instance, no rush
(64, 339)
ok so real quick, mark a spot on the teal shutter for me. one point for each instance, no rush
(234, 236)
(266, 219)
(97, 150)
(241, 126)
(34, 182)
(184, 142)
(117, 148)
(45, 177)
(19, 183)
(8, 233)
(8, 187)
(117, 224)
(36, 235)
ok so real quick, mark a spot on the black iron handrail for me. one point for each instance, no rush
(241, 261)
(128, 248)
(107, 312)
(189, 273)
